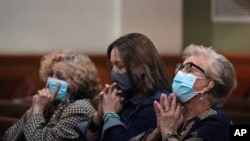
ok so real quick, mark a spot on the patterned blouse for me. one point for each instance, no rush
(212, 124)
(59, 127)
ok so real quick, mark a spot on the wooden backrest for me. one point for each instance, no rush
(19, 74)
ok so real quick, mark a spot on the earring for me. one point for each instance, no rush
(201, 97)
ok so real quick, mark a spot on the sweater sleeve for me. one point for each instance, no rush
(144, 119)
(15, 132)
(36, 129)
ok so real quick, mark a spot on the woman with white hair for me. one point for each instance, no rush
(193, 111)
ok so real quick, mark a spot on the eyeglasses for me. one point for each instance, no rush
(186, 67)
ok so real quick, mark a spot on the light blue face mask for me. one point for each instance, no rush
(183, 86)
(62, 94)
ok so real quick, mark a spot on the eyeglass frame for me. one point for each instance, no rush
(180, 66)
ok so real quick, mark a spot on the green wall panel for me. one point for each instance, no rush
(232, 38)
(199, 29)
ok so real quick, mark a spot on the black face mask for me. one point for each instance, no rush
(123, 82)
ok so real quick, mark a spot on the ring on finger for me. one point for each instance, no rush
(166, 108)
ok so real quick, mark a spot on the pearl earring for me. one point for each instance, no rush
(201, 98)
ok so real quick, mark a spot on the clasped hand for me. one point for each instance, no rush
(109, 101)
(41, 101)
(169, 114)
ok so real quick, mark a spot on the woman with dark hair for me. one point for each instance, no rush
(72, 80)
(126, 106)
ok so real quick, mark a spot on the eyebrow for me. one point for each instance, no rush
(116, 62)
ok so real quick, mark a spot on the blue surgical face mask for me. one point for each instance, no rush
(123, 82)
(62, 94)
(183, 86)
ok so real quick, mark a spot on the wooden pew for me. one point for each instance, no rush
(21, 70)
(238, 110)
(10, 112)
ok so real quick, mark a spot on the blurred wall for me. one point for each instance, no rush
(39, 26)
(226, 37)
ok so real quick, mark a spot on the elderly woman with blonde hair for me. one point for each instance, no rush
(193, 111)
(71, 82)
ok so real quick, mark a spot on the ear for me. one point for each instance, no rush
(210, 85)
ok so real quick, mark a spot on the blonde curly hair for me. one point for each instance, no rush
(85, 80)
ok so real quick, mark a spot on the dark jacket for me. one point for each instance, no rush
(137, 115)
